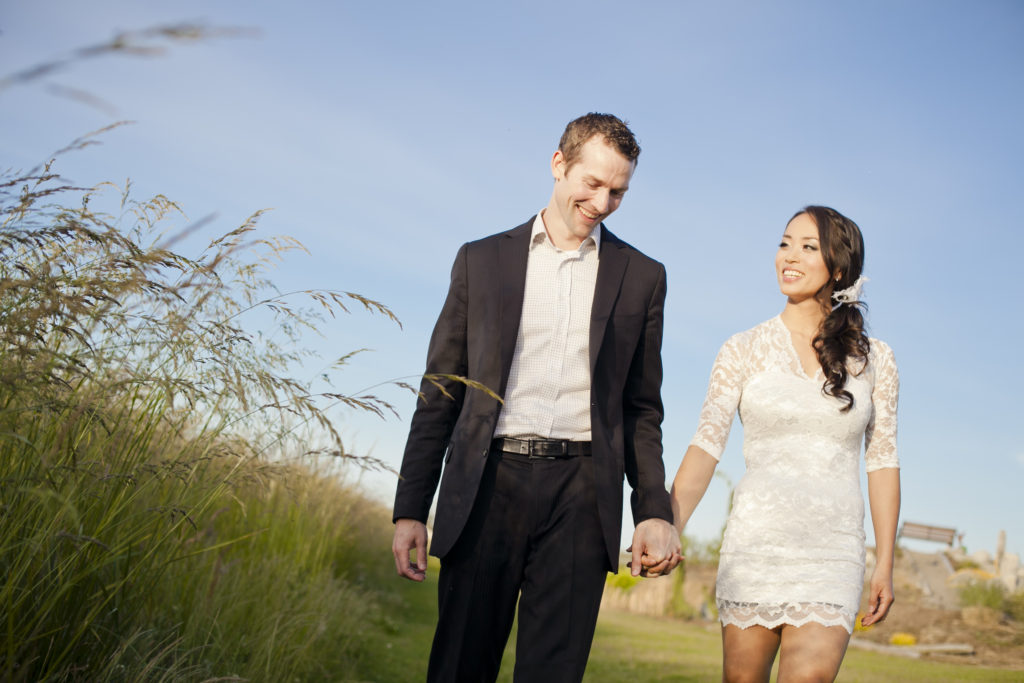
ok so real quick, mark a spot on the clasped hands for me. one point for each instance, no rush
(656, 549)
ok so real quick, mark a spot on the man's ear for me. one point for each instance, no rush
(558, 165)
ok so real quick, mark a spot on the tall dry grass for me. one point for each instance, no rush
(156, 519)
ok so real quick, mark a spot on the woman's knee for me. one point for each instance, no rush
(807, 672)
(740, 670)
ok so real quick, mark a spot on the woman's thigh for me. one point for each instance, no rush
(748, 653)
(811, 652)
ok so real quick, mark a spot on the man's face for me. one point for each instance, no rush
(587, 192)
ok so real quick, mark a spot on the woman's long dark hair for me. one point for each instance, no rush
(842, 337)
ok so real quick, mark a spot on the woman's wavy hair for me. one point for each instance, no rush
(842, 337)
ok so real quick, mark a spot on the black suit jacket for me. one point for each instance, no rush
(475, 337)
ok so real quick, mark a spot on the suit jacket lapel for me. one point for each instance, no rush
(512, 254)
(611, 267)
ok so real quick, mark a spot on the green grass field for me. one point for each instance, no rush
(628, 648)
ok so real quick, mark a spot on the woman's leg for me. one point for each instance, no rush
(811, 652)
(748, 653)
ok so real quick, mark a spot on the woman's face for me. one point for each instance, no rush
(799, 265)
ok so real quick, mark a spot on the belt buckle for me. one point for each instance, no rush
(531, 444)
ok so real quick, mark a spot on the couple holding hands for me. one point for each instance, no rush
(564, 320)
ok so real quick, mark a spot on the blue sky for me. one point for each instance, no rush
(384, 135)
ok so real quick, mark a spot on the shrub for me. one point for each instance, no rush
(678, 606)
(965, 563)
(1013, 605)
(622, 580)
(982, 594)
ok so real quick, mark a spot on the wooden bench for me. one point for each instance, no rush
(927, 532)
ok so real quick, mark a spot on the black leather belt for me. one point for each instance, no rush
(542, 448)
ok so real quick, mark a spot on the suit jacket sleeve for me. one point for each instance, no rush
(436, 412)
(643, 413)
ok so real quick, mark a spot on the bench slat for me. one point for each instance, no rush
(927, 532)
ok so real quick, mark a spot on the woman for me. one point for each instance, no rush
(809, 386)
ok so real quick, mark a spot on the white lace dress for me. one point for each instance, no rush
(793, 550)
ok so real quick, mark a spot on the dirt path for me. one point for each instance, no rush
(930, 573)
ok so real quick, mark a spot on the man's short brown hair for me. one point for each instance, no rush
(613, 129)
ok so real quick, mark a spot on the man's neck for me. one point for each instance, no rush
(561, 237)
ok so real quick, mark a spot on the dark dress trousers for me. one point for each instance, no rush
(475, 337)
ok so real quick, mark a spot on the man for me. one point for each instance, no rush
(564, 320)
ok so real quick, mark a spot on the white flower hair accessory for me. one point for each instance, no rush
(851, 294)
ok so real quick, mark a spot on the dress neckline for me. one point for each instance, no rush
(794, 356)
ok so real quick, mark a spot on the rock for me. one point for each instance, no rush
(981, 617)
(963, 577)
(983, 559)
(956, 555)
(1009, 569)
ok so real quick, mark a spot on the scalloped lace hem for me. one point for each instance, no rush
(746, 614)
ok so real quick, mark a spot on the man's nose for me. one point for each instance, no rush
(602, 200)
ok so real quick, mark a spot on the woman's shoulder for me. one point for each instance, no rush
(753, 337)
(881, 361)
(880, 351)
(762, 328)
(759, 331)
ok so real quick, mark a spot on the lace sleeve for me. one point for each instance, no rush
(880, 436)
(721, 401)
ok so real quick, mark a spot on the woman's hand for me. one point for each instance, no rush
(880, 596)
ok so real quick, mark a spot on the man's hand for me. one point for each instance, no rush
(656, 548)
(410, 534)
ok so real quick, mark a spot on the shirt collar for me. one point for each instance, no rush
(539, 234)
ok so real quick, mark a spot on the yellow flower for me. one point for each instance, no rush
(902, 639)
